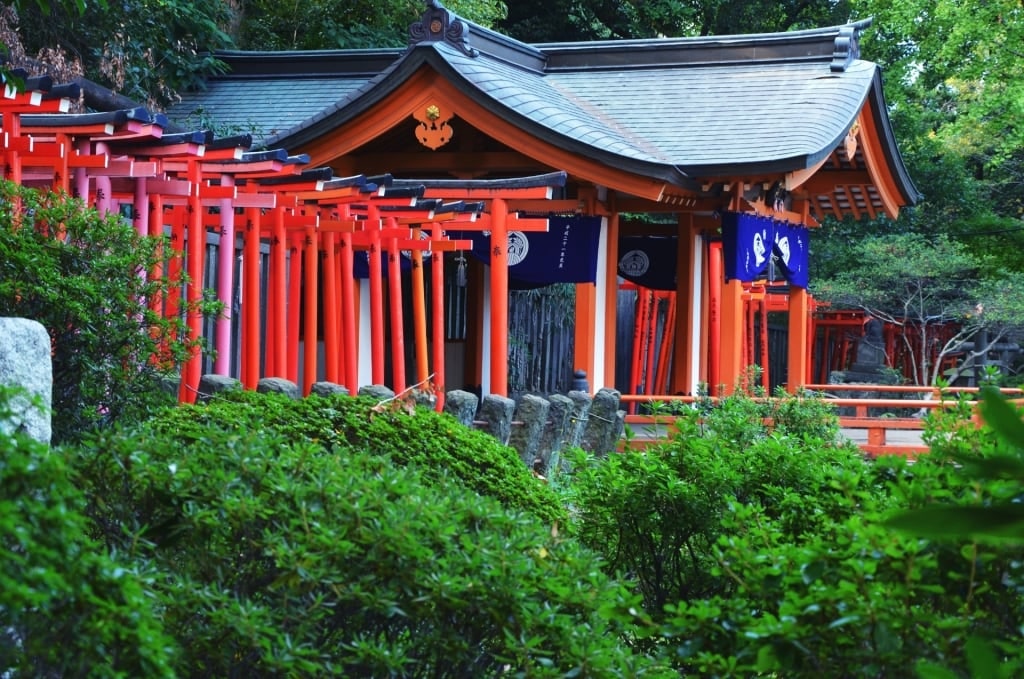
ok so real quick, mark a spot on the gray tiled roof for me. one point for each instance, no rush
(264, 107)
(668, 109)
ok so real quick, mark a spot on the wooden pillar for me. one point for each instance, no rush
(225, 281)
(331, 324)
(586, 327)
(499, 297)
(611, 303)
(309, 334)
(349, 336)
(732, 324)
(798, 358)
(376, 297)
(295, 251)
(437, 313)
(397, 339)
(194, 263)
(277, 323)
(684, 368)
(714, 344)
(251, 339)
(419, 312)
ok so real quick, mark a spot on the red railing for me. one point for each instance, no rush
(886, 434)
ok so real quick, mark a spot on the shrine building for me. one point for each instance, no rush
(694, 166)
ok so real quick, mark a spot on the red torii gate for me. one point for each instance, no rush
(187, 183)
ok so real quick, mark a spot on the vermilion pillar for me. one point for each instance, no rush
(731, 365)
(312, 257)
(251, 300)
(437, 313)
(373, 225)
(797, 352)
(397, 330)
(332, 325)
(499, 297)
(225, 281)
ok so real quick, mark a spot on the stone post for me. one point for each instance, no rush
(533, 413)
(556, 432)
(25, 362)
(604, 423)
(462, 406)
(496, 411)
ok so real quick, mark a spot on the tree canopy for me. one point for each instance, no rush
(945, 301)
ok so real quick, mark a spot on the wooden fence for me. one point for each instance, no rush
(871, 425)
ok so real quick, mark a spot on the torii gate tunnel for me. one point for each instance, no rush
(187, 184)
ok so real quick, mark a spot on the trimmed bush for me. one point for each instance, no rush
(67, 609)
(282, 556)
(435, 443)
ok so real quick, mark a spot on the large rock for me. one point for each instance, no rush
(210, 385)
(25, 362)
(279, 385)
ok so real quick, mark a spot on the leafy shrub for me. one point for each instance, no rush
(281, 556)
(853, 598)
(436, 443)
(81, 276)
(66, 608)
(657, 516)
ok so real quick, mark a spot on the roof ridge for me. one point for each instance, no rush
(440, 25)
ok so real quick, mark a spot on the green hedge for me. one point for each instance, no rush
(436, 443)
(67, 608)
(280, 556)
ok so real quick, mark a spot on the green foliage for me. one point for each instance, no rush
(435, 443)
(922, 283)
(994, 458)
(849, 599)
(344, 24)
(82, 277)
(66, 608)
(281, 556)
(656, 516)
(146, 50)
(767, 553)
(546, 21)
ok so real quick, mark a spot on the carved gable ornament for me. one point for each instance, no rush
(433, 130)
(437, 24)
